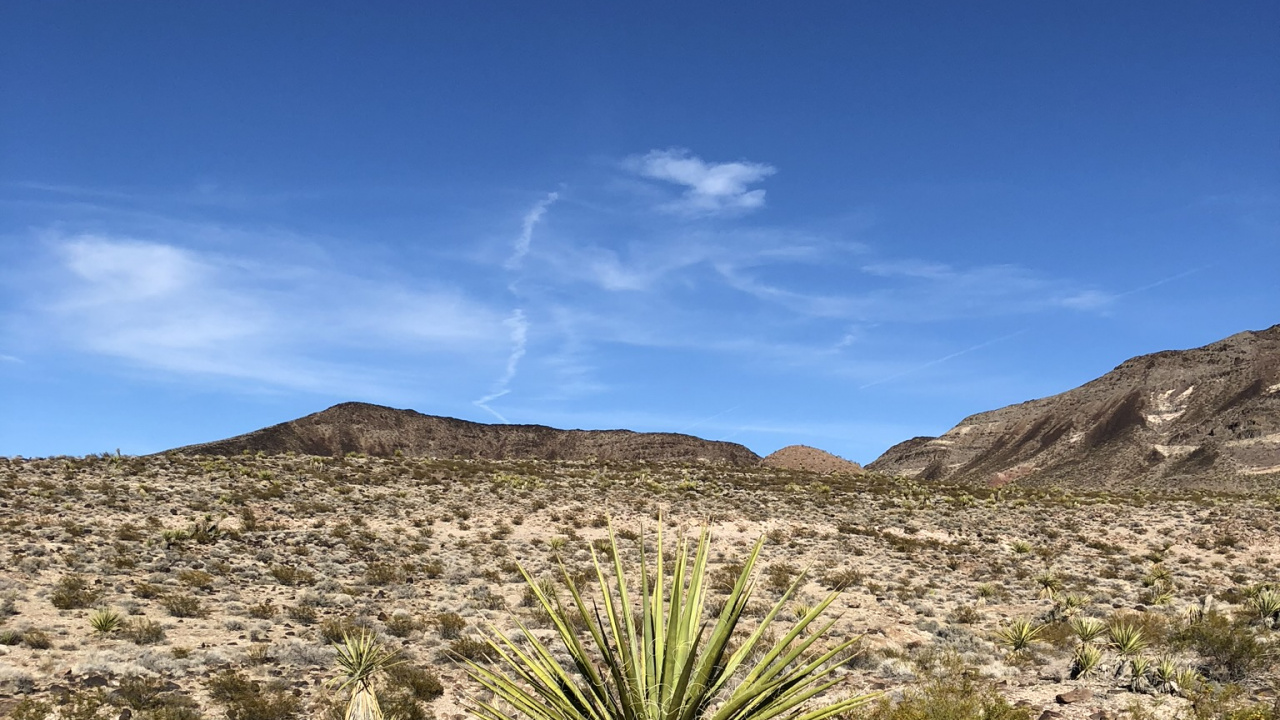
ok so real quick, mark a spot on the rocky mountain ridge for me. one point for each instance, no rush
(1198, 417)
(383, 431)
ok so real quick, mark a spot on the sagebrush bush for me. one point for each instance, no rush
(72, 592)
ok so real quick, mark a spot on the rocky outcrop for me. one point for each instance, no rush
(382, 431)
(1205, 417)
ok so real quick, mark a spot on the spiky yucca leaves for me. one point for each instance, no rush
(1018, 634)
(1088, 629)
(1265, 605)
(104, 621)
(361, 657)
(1085, 660)
(1126, 637)
(666, 662)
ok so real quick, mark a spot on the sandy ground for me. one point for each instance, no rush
(926, 575)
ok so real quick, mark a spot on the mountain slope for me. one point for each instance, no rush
(1199, 417)
(378, 430)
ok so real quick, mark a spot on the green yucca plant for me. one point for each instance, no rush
(1018, 634)
(1088, 629)
(1266, 606)
(105, 621)
(1085, 660)
(361, 657)
(665, 661)
(1126, 637)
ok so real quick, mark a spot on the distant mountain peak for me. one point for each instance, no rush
(1205, 417)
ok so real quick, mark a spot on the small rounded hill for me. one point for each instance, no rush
(810, 459)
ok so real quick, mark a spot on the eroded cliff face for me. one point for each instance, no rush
(1200, 417)
(383, 431)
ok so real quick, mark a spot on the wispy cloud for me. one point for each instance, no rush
(711, 188)
(163, 306)
(519, 328)
(525, 240)
(10, 359)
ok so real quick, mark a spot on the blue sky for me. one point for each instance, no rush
(837, 224)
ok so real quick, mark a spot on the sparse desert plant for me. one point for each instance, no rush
(1020, 547)
(183, 606)
(1231, 649)
(73, 592)
(401, 625)
(1126, 637)
(1085, 659)
(658, 665)
(1049, 583)
(104, 621)
(1019, 634)
(264, 610)
(304, 613)
(36, 639)
(245, 699)
(450, 625)
(1088, 629)
(472, 650)
(335, 630)
(361, 657)
(1139, 669)
(1265, 606)
(31, 709)
(205, 531)
(423, 684)
(143, 631)
(841, 579)
(292, 576)
(1164, 676)
(951, 692)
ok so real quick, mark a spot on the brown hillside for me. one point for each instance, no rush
(803, 457)
(382, 431)
(1206, 417)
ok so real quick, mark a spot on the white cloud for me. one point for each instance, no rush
(712, 188)
(158, 305)
(519, 327)
(531, 220)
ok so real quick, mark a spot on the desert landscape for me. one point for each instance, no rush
(217, 580)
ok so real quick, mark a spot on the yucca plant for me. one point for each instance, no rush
(1126, 637)
(1266, 606)
(104, 621)
(1139, 668)
(1018, 634)
(1165, 675)
(1088, 629)
(361, 657)
(1050, 584)
(1085, 660)
(664, 661)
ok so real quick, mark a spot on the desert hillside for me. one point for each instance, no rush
(1206, 417)
(383, 431)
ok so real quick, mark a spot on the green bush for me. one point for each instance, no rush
(73, 592)
(143, 631)
(1231, 649)
(947, 697)
(246, 699)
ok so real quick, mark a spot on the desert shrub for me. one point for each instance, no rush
(421, 683)
(401, 625)
(469, 648)
(141, 692)
(84, 705)
(382, 573)
(147, 591)
(198, 579)
(1230, 649)
(779, 576)
(450, 625)
(183, 606)
(31, 709)
(143, 631)
(303, 613)
(73, 592)
(333, 630)
(245, 699)
(36, 639)
(292, 576)
(432, 568)
(264, 610)
(843, 579)
(947, 697)
(10, 636)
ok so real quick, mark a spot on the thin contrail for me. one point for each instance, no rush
(531, 220)
(687, 428)
(941, 360)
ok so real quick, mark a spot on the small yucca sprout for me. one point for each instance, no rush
(1085, 660)
(1088, 629)
(1018, 634)
(1187, 681)
(1126, 637)
(361, 658)
(1021, 547)
(104, 621)
(1165, 674)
